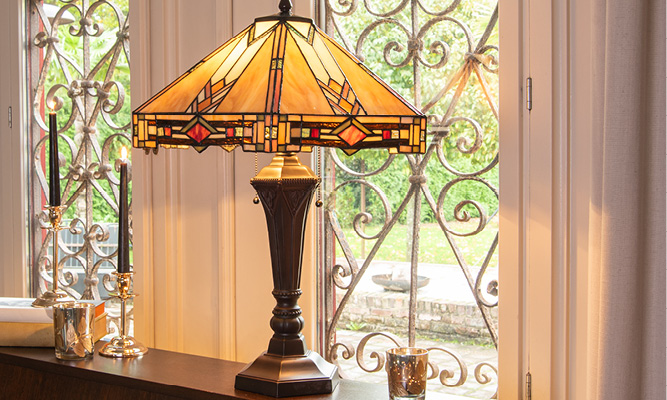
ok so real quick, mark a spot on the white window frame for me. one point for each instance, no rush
(13, 155)
(545, 191)
(544, 173)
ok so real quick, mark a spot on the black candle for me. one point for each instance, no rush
(54, 182)
(123, 222)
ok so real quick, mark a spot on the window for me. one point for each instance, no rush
(395, 223)
(543, 325)
(78, 59)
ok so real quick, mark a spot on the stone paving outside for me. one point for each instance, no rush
(471, 355)
(447, 285)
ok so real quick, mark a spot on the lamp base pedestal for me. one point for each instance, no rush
(287, 368)
(285, 376)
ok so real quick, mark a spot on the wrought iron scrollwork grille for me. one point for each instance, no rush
(444, 58)
(78, 59)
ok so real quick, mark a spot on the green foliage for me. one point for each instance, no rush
(72, 46)
(394, 183)
(355, 326)
(445, 36)
(433, 246)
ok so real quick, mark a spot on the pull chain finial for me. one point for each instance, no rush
(255, 199)
(285, 7)
(318, 169)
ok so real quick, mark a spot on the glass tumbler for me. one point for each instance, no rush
(406, 372)
(73, 330)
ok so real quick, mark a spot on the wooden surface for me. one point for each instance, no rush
(35, 373)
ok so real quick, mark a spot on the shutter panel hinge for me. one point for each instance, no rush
(9, 116)
(529, 388)
(529, 93)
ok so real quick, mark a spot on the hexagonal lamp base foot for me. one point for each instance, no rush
(286, 376)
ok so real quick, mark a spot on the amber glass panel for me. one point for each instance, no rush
(346, 106)
(263, 26)
(301, 92)
(333, 120)
(222, 117)
(379, 120)
(174, 117)
(248, 56)
(374, 96)
(234, 58)
(313, 60)
(142, 130)
(282, 133)
(249, 93)
(177, 96)
(328, 59)
(302, 27)
(275, 91)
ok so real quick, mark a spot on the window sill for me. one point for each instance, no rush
(31, 372)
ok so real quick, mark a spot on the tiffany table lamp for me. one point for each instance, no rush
(281, 86)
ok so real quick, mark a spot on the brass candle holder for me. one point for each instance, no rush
(55, 295)
(123, 346)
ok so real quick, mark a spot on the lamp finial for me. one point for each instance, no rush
(285, 7)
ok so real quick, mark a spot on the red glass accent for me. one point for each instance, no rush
(167, 130)
(386, 134)
(230, 132)
(352, 135)
(198, 132)
(315, 133)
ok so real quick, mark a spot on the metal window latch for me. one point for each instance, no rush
(529, 93)
(9, 117)
(529, 395)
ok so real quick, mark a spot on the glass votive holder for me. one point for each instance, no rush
(73, 330)
(406, 372)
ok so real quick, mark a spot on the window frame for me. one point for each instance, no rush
(14, 274)
(551, 136)
(545, 178)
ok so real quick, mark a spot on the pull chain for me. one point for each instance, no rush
(255, 200)
(318, 169)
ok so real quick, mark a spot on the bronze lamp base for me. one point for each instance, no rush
(287, 368)
(285, 376)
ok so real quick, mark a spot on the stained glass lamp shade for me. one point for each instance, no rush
(281, 86)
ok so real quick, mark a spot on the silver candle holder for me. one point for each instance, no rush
(123, 346)
(55, 295)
